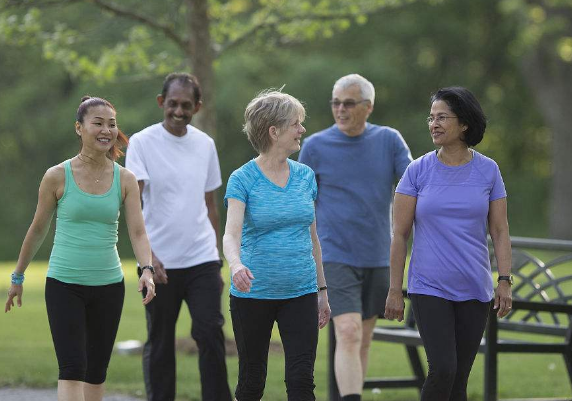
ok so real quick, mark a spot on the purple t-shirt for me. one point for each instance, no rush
(450, 256)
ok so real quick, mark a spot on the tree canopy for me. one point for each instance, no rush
(508, 52)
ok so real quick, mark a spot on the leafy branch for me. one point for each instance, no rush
(275, 21)
(146, 20)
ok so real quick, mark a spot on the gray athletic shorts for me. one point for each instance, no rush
(356, 290)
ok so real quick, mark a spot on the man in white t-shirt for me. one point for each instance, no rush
(178, 172)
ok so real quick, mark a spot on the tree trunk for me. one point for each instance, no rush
(200, 57)
(550, 78)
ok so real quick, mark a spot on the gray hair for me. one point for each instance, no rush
(269, 108)
(366, 88)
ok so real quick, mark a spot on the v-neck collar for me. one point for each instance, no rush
(285, 187)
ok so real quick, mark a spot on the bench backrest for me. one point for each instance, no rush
(548, 280)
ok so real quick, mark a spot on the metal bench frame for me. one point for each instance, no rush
(540, 306)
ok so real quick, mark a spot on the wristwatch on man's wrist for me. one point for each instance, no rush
(506, 278)
(149, 267)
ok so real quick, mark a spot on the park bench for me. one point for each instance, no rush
(541, 308)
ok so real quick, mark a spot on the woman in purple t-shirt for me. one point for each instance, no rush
(453, 196)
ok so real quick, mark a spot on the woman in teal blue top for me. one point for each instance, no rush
(273, 251)
(84, 287)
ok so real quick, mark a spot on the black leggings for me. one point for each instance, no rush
(252, 321)
(84, 321)
(451, 333)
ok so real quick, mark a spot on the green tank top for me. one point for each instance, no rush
(85, 245)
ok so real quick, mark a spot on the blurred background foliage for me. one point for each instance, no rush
(52, 55)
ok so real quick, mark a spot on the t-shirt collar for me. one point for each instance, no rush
(352, 138)
(166, 134)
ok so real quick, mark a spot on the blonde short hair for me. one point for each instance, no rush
(269, 108)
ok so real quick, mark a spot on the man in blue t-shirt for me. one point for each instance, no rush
(356, 165)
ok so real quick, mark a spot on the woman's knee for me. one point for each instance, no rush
(251, 382)
(76, 372)
(443, 372)
(96, 377)
(300, 379)
(300, 388)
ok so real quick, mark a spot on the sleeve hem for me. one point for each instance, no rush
(402, 192)
(213, 187)
(498, 197)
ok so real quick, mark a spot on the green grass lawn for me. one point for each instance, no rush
(27, 357)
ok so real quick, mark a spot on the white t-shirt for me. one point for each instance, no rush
(177, 172)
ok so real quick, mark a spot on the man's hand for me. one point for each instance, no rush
(160, 272)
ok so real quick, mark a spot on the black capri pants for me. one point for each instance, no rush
(451, 333)
(83, 321)
(252, 321)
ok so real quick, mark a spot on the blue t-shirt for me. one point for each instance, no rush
(355, 178)
(450, 257)
(276, 242)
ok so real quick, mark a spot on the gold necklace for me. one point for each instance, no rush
(464, 161)
(92, 162)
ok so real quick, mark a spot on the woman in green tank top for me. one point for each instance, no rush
(84, 285)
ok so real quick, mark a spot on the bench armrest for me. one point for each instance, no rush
(518, 304)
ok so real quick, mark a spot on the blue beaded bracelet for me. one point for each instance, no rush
(17, 278)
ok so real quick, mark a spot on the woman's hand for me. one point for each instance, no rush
(146, 280)
(242, 278)
(503, 298)
(15, 290)
(394, 305)
(323, 309)
(498, 228)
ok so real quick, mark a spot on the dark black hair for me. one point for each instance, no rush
(467, 108)
(184, 79)
(86, 103)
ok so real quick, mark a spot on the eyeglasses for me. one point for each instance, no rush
(439, 119)
(348, 104)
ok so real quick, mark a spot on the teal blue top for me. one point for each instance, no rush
(85, 245)
(276, 242)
